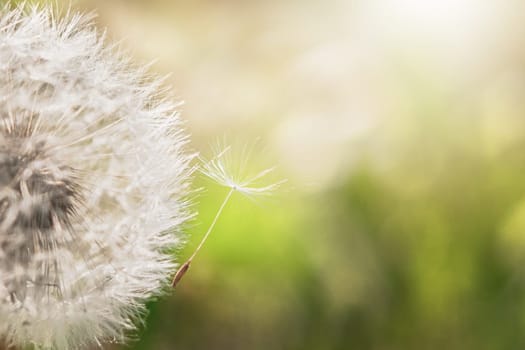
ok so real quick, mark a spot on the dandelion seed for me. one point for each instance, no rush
(229, 171)
(93, 179)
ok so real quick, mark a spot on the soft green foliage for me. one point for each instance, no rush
(425, 252)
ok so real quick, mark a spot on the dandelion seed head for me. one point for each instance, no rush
(93, 180)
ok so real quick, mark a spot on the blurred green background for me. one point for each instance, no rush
(400, 126)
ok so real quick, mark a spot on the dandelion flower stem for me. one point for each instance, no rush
(184, 267)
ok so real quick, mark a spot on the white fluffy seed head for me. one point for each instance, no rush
(93, 176)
